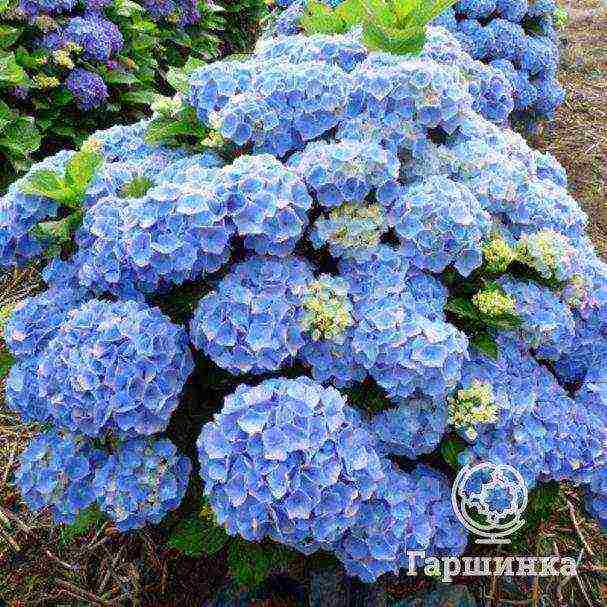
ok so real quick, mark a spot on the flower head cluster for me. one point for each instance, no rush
(253, 321)
(170, 235)
(413, 428)
(409, 512)
(498, 255)
(266, 202)
(493, 302)
(471, 406)
(114, 368)
(288, 460)
(347, 172)
(547, 323)
(143, 480)
(88, 88)
(440, 223)
(57, 470)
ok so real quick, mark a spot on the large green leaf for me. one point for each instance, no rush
(20, 137)
(81, 169)
(11, 73)
(196, 537)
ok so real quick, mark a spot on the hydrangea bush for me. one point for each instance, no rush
(519, 38)
(357, 263)
(68, 67)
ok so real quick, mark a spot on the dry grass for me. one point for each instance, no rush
(578, 136)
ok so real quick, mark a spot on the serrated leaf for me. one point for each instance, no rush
(485, 344)
(321, 19)
(395, 41)
(80, 171)
(48, 184)
(6, 115)
(20, 137)
(450, 449)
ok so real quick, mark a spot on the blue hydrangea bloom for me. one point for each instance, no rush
(22, 389)
(440, 223)
(413, 428)
(410, 512)
(88, 88)
(548, 325)
(285, 106)
(404, 351)
(56, 470)
(114, 368)
(252, 321)
(347, 172)
(35, 320)
(98, 37)
(266, 202)
(20, 212)
(342, 51)
(289, 460)
(143, 480)
(172, 234)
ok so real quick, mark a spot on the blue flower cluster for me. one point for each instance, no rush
(57, 470)
(97, 370)
(515, 37)
(114, 368)
(137, 484)
(410, 511)
(289, 460)
(141, 482)
(252, 322)
(85, 48)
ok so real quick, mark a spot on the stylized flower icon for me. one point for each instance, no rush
(489, 500)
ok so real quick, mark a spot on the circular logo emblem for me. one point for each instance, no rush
(489, 499)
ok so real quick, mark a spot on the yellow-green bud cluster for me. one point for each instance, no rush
(327, 309)
(42, 81)
(167, 106)
(498, 255)
(472, 406)
(368, 220)
(63, 58)
(546, 251)
(494, 302)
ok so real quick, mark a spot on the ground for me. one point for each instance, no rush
(44, 565)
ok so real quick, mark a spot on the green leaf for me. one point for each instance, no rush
(120, 77)
(81, 169)
(11, 73)
(49, 184)
(196, 537)
(251, 563)
(85, 521)
(321, 19)
(138, 97)
(485, 344)
(21, 137)
(6, 115)
(450, 449)
(58, 232)
(6, 362)
(395, 41)
(463, 308)
(8, 35)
